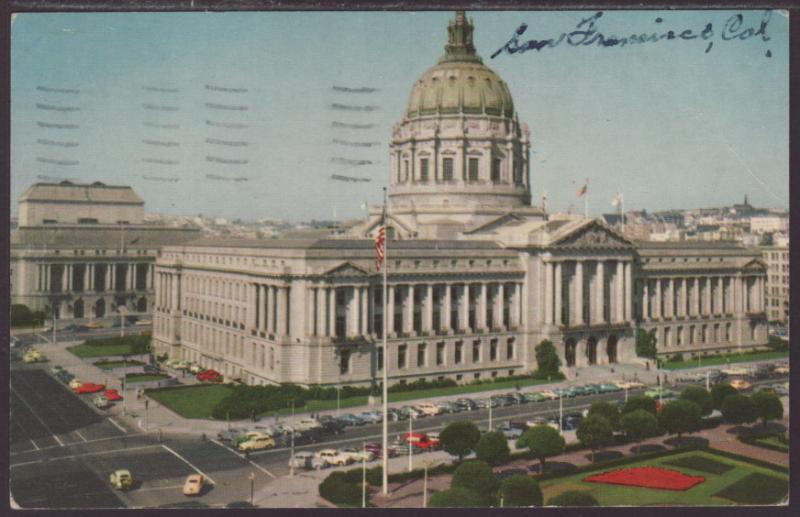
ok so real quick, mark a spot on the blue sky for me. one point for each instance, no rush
(667, 124)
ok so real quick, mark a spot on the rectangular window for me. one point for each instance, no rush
(421, 353)
(679, 336)
(476, 351)
(423, 169)
(473, 169)
(439, 354)
(496, 170)
(493, 350)
(406, 177)
(459, 352)
(380, 358)
(510, 352)
(447, 169)
(401, 356)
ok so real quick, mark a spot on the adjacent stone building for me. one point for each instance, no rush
(776, 258)
(82, 250)
(477, 277)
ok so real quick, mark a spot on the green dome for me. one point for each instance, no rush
(460, 82)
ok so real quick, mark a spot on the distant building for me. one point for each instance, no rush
(768, 224)
(81, 250)
(777, 286)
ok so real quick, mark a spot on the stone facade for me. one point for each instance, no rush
(777, 285)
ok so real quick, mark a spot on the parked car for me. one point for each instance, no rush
(33, 356)
(304, 424)
(549, 394)
(306, 437)
(253, 443)
(429, 408)
(609, 387)
(781, 370)
(101, 402)
(376, 448)
(89, 387)
(56, 369)
(467, 404)
(209, 376)
(534, 397)
(411, 412)
(112, 395)
(655, 393)
(740, 385)
(504, 400)
(395, 415)
(194, 484)
(420, 440)
(75, 383)
(94, 325)
(518, 397)
(358, 455)
(630, 385)
(121, 479)
(305, 460)
(349, 419)
(511, 433)
(485, 403)
(196, 368)
(152, 368)
(231, 435)
(331, 425)
(371, 417)
(333, 457)
(448, 407)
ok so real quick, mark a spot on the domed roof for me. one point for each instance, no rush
(460, 82)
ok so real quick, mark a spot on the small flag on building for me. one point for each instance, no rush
(380, 242)
(583, 189)
(618, 200)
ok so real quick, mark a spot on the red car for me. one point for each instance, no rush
(420, 440)
(377, 449)
(113, 395)
(89, 387)
(209, 376)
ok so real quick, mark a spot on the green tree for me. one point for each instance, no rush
(547, 360)
(595, 432)
(681, 416)
(646, 343)
(456, 497)
(520, 490)
(573, 498)
(646, 403)
(719, 392)
(638, 425)
(460, 438)
(606, 410)
(699, 396)
(739, 409)
(768, 406)
(543, 442)
(478, 477)
(493, 448)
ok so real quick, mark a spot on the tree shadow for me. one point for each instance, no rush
(605, 456)
(552, 466)
(687, 441)
(647, 448)
(510, 472)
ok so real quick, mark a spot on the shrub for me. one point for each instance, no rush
(460, 438)
(646, 344)
(768, 406)
(520, 490)
(739, 409)
(646, 403)
(246, 400)
(573, 498)
(595, 432)
(639, 424)
(719, 392)
(338, 489)
(777, 344)
(606, 410)
(681, 416)
(477, 477)
(138, 344)
(421, 384)
(456, 497)
(676, 358)
(22, 316)
(493, 448)
(542, 441)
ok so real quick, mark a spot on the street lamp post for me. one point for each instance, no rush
(338, 387)
(425, 487)
(291, 456)
(490, 414)
(252, 486)
(363, 474)
(409, 442)
(560, 411)
(708, 380)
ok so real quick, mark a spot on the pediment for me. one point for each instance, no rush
(755, 265)
(347, 269)
(594, 235)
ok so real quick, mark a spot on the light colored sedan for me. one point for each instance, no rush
(194, 485)
(357, 455)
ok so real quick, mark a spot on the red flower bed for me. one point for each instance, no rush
(648, 477)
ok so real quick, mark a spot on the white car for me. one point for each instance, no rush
(305, 424)
(629, 385)
(550, 394)
(429, 409)
(357, 455)
(333, 457)
(306, 460)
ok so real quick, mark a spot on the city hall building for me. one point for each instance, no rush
(477, 277)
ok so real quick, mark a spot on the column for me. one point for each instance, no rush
(499, 306)
(408, 316)
(321, 301)
(365, 312)
(628, 292)
(463, 307)
(658, 314)
(707, 301)
(480, 313)
(427, 309)
(548, 293)
(389, 316)
(738, 286)
(64, 281)
(86, 268)
(558, 309)
(599, 293)
(578, 293)
(282, 314)
(683, 298)
(695, 296)
(670, 312)
(175, 304)
(515, 304)
(270, 308)
(332, 312)
(618, 291)
(448, 307)
(646, 300)
(354, 313)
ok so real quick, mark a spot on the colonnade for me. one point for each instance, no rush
(672, 297)
(65, 276)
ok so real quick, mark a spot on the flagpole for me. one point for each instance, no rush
(622, 212)
(586, 200)
(385, 455)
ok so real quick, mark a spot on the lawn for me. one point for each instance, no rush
(110, 365)
(193, 401)
(772, 442)
(757, 488)
(723, 359)
(713, 491)
(145, 377)
(88, 350)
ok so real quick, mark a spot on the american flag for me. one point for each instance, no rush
(380, 246)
